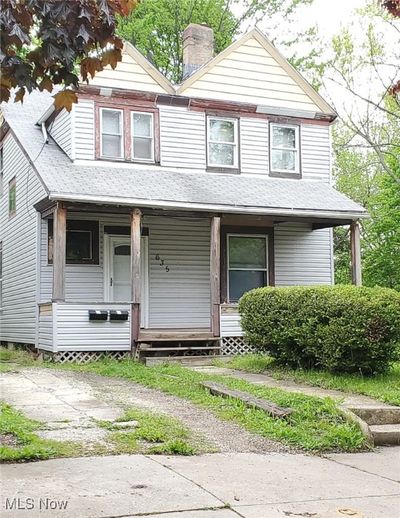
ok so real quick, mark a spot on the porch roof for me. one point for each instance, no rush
(145, 186)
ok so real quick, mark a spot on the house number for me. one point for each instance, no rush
(162, 263)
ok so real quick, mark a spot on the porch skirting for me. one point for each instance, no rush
(82, 357)
(236, 346)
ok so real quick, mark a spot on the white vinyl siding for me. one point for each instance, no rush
(254, 156)
(182, 138)
(315, 152)
(250, 74)
(302, 256)
(230, 321)
(179, 297)
(45, 331)
(61, 131)
(83, 130)
(18, 236)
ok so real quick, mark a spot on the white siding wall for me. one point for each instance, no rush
(45, 331)
(19, 237)
(302, 257)
(75, 332)
(315, 152)
(230, 321)
(84, 132)
(254, 146)
(183, 138)
(181, 296)
(60, 130)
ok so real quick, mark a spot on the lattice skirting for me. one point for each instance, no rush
(235, 345)
(82, 357)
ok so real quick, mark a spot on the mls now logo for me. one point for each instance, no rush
(28, 504)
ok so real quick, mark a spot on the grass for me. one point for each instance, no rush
(154, 433)
(384, 387)
(9, 357)
(21, 442)
(316, 424)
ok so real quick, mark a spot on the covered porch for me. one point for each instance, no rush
(130, 279)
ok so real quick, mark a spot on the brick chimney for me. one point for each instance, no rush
(198, 47)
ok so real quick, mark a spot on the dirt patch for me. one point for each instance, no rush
(221, 435)
(8, 439)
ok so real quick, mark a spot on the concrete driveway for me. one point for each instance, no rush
(248, 485)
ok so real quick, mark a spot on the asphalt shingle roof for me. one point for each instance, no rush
(144, 186)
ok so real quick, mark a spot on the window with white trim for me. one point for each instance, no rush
(111, 133)
(142, 136)
(284, 148)
(222, 142)
(12, 197)
(1, 274)
(247, 264)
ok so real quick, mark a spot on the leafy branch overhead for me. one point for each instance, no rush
(46, 43)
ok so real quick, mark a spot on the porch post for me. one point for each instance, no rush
(215, 267)
(355, 251)
(136, 220)
(59, 252)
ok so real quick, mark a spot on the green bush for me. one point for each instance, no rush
(339, 328)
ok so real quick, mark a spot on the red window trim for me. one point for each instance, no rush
(126, 117)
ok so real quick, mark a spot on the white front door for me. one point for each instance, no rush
(118, 272)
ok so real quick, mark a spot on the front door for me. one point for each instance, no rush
(119, 273)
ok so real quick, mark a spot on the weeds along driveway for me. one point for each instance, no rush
(71, 404)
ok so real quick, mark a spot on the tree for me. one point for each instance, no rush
(43, 41)
(155, 27)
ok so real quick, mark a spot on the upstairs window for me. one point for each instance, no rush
(284, 149)
(222, 142)
(142, 136)
(247, 264)
(111, 145)
(12, 197)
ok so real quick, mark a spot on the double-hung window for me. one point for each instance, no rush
(222, 142)
(142, 136)
(111, 124)
(247, 264)
(284, 149)
(12, 197)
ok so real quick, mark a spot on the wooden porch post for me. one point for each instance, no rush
(215, 268)
(355, 251)
(59, 252)
(136, 220)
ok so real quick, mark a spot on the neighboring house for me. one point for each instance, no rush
(143, 215)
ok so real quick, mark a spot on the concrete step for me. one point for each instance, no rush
(385, 434)
(184, 360)
(377, 414)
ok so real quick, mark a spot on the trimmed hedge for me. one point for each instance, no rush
(338, 328)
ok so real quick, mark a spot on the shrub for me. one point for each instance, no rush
(339, 328)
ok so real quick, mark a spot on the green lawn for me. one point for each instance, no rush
(384, 387)
(316, 425)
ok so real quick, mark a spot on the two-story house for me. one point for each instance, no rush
(137, 220)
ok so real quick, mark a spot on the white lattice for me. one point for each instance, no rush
(235, 345)
(86, 356)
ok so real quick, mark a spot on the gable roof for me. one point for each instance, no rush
(135, 185)
(253, 68)
(134, 72)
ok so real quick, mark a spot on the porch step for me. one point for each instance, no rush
(177, 349)
(176, 335)
(385, 434)
(184, 360)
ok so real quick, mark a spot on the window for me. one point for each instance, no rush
(82, 242)
(1, 274)
(284, 153)
(1, 171)
(222, 142)
(247, 264)
(12, 197)
(142, 136)
(111, 145)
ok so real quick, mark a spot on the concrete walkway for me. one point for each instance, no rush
(346, 399)
(275, 485)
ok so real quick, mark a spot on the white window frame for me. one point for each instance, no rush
(122, 152)
(235, 143)
(296, 149)
(228, 269)
(148, 160)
